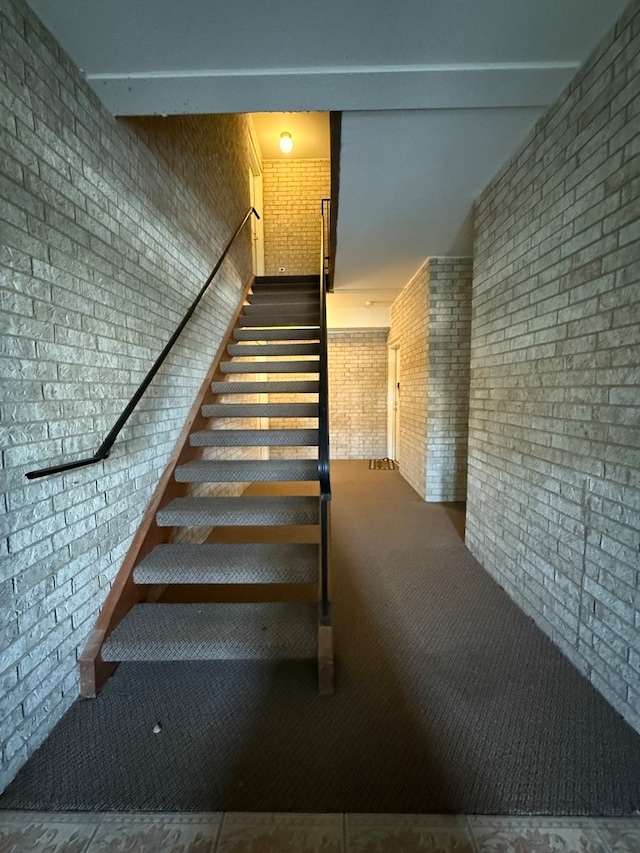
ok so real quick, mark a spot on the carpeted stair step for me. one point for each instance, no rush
(260, 410)
(265, 510)
(287, 282)
(283, 284)
(246, 470)
(242, 350)
(254, 438)
(310, 366)
(288, 334)
(310, 319)
(303, 386)
(275, 630)
(272, 563)
(303, 295)
(270, 297)
(272, 310)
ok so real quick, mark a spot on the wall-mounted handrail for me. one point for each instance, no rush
(105, 448)
(323, 415)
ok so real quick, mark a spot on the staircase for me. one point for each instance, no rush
(250, 586)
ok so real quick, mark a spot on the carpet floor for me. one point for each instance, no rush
(449, 700)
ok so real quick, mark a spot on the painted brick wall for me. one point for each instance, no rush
(448, 384)
(109, 229)
(430, 322)
(357, 398)
(299, 452)
(410, 329)
(554, 462)
(358, 394)
(293, 190)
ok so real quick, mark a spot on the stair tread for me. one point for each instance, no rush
(291, 333)
(311, 366)
(254, 438)
(245, 350)
(282, 563)
(246, 470)
(271, 297)
(260, 410)
(274, 309)
(240, 511)
(301, 386)
(298, 320)
(287, 280)
(298, 293)
(274, 630)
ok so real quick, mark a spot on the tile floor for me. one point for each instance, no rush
(68, 832)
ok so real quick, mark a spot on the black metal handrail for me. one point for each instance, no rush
(323, 416)
(105, 448)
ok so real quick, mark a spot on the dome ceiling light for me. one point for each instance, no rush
(286, 143)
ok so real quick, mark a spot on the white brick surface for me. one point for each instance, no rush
(448, 385)
(554, 448)
(409, 329)
(358, 394)
(293, 191)
(109, 228)
(357, 398)
(430, 322)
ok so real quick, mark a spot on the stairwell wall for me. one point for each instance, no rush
(109, 229)
(293, 191)
(409, 330)
(431, 324)
(448, 383)
(554, 450)
(358, 393)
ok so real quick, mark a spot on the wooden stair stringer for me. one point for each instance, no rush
(124, 593)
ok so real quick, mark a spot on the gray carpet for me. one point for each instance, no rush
(448, 699)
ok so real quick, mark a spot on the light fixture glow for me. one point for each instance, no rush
(286, 143)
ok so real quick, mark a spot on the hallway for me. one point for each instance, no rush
(449, 701)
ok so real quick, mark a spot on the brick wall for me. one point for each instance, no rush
(293, 190)
(430, 323)
(357, 398)
(109, 229)
(298, 452)
(358, 394)
(448, 384)
(410, 328)
(554, 462)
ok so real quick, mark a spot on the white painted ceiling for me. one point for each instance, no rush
(309, 132)
(436, 95)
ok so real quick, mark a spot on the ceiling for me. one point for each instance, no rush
(309, 132)
(436, 95)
